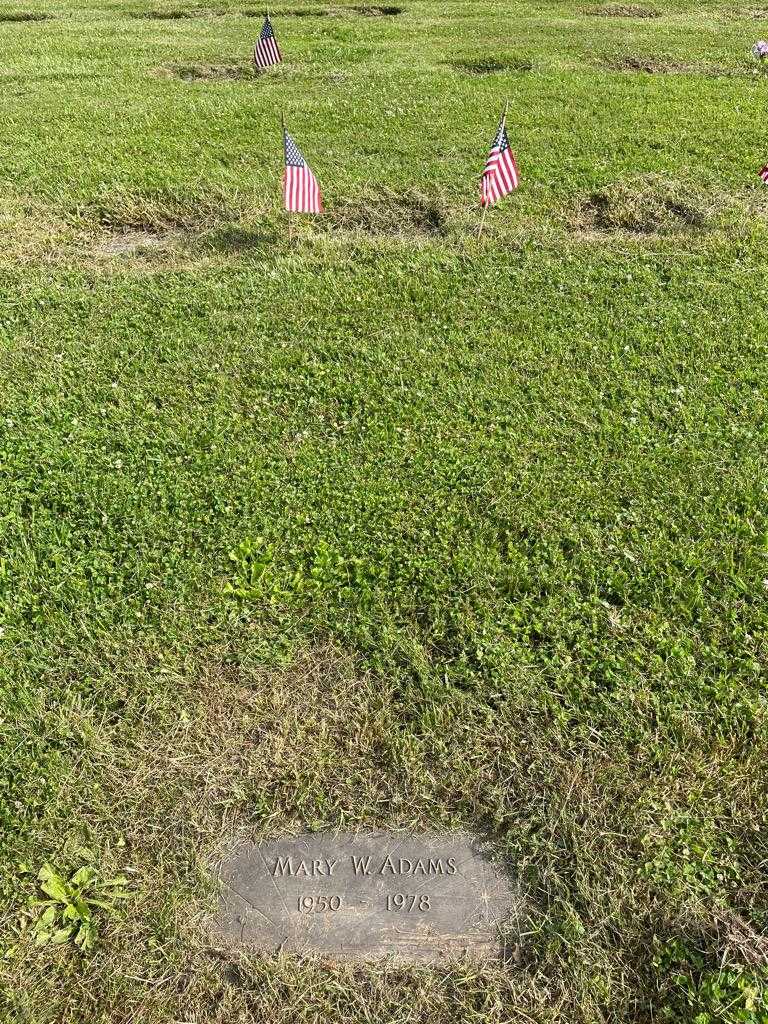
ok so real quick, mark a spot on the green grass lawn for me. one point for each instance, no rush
(385, 526)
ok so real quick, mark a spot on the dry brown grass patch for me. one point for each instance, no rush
(164, 15)
(188, 760)
(295, 12)
(741, 942)
(662, 66)
(133, 227)
(209, 72)
(366, 10)
(622, 11)
(131, 241)
(145, 217)
(264, 749)
(31, 231)
(374, 11)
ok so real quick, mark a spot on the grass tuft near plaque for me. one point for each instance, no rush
(368, 896)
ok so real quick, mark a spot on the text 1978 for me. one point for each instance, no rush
(408, 903)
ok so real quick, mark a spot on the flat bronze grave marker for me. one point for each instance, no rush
(366, 896)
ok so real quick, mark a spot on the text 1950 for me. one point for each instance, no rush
(318, 904)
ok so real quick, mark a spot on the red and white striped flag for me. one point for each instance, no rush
(500, 176)
(301, 193)
(267, 52)
(764, 174)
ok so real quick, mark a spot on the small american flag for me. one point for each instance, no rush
(500, 176)
(301, 193)
(764, 174)
(267, 52)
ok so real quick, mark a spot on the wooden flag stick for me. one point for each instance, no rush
(485, 208)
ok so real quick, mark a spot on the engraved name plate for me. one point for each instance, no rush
(365, 896)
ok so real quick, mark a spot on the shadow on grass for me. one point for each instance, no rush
(243, 240)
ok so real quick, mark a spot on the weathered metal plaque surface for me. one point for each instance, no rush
(367, 896)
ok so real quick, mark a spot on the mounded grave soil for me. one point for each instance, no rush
(407, 214)
(622, 11)
(492, 65)
(23, 16)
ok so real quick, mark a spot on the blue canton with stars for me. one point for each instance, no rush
(293, 157)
